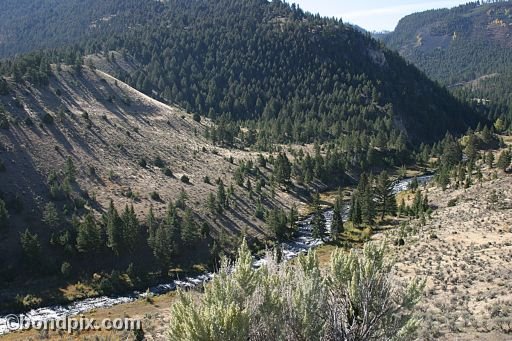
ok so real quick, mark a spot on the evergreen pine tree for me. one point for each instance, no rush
(282, 169)
(130, 228)
(318, 222)
(452, 152)
(292, 220)
(221, 197)
(260, 211)
(414, 184)
(490, 159)
(163, 247)
(417, 206)
(337, 218)
(385, 198)
(50, 215)
(152, 226)
(355, 215)
(114, 229)
(402, 209)
(31, 247)
(277, 223)
(173, 225)
(504, 160)
(181, 202)
(4, 215)
(89, 237)
(70, 170)
(211, 203)
(471, 149)
(443, 177)
(189, 230)
(367, 205)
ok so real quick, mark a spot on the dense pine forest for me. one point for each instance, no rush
(466, 48)
(27, 25)
(291, 76)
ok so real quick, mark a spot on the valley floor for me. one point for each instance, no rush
(463, 251)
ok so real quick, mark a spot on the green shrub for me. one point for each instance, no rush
(159, 162)
(168, 172)
(31, 301)
(65, 269)
(105, 286)
(185, 179)
(155, 196)
(452, 202)
(318, 304)
(79, 203)
(48, 119)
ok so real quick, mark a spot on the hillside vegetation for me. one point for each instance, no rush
(27, 25)
(467, 48)
(87, 141)
(169, 130)
(290, 76)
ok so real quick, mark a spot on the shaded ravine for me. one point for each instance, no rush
(301, 243)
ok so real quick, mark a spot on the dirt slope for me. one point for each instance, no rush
(464, 252)
(107, 128)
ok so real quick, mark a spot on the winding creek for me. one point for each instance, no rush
(291, 249)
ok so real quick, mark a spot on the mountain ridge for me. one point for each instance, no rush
(434, 40)
(460, 48)
(188, 56)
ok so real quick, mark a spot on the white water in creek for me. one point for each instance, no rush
(290, 249)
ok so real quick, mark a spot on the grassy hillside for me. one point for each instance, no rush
(124, 147)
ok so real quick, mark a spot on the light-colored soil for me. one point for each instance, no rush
(113, 139)
(465, 253)
(103, 124)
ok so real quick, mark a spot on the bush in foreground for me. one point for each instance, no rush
(355, 299)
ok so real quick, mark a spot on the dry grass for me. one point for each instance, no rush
(153, 314)
(105, 125)
(464, 252)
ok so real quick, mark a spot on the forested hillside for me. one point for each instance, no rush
(27, 25)
(296, 77)
(466, 47)
(458, 44)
